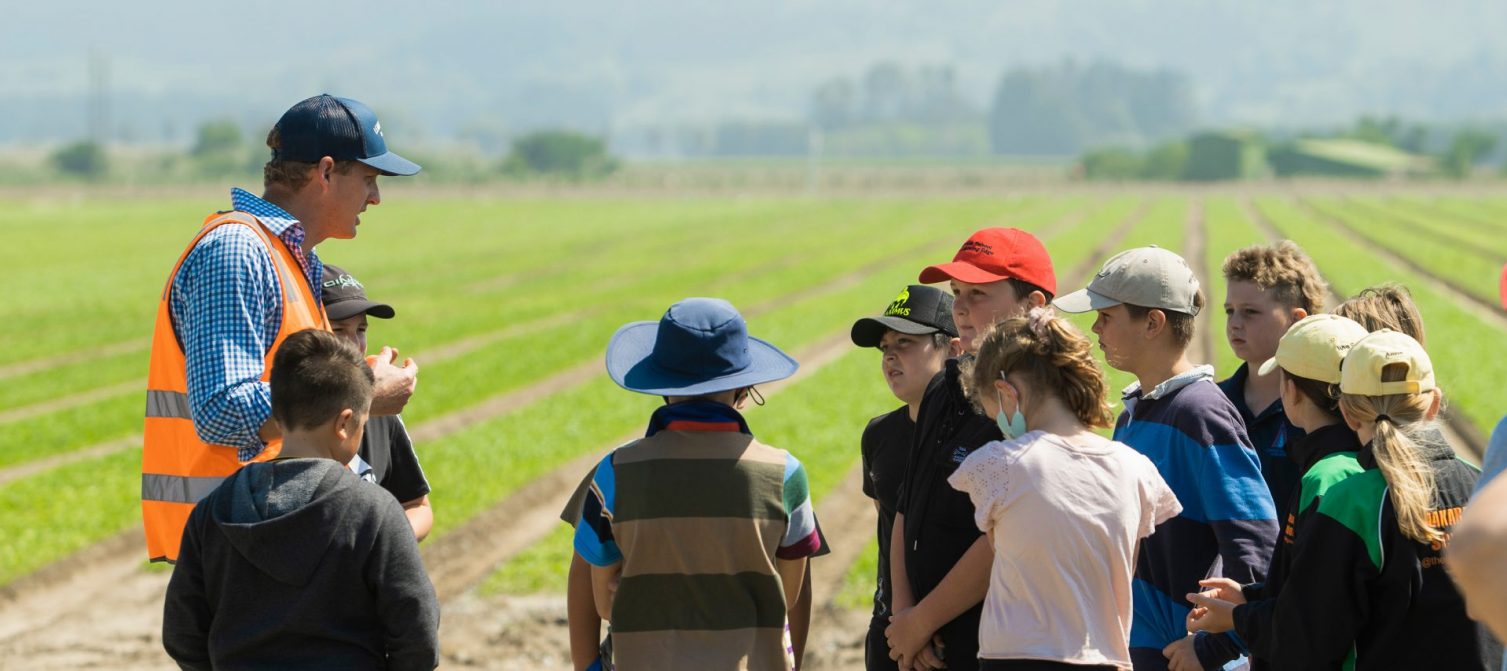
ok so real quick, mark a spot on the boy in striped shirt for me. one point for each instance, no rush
(697, 534)
(1147, 299)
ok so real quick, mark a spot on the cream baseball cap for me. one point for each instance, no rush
(1360, 374)
(1315, 346)
(1148, 277)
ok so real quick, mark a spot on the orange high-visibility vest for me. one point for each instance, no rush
(177, 468)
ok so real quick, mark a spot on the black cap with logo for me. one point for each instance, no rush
(344, 297)
(918, 310)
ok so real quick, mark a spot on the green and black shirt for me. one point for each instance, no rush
(1361, 595)
(1324, 458)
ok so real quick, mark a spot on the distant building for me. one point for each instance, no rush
(1346, 158)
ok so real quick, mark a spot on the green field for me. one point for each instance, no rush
(498, 297)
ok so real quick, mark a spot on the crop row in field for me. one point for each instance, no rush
(1464, 348)
(533, 434)
(1446, 258)
(822, 415)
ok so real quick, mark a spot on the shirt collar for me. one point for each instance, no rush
(1237, 383)
(1174, 383)
(697, 415)
(273, 217)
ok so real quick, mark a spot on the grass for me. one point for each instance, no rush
(1227, 230)
(857, 590)
(514, 448)
(1465, 349)
(496, 368)
(803, 414)
(460, 268)
(1475, 273)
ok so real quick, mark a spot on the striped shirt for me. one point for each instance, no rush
(226, 306)
(1228, 525)
(698, 512)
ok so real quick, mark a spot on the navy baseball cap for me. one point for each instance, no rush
(340, 128)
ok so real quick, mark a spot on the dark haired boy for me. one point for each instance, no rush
(939, 560)
(914, 337)
(294, 562)
(387, 456)
(1147, 299)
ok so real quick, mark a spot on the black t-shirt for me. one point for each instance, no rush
(939, 524)
(387, 448)
(886, 449)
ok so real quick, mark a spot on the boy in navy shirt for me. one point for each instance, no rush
(1147, 299)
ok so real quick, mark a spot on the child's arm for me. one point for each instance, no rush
(186, 614)
(604, 581)
(406, 603)
(581, 615)
(901, 597)
(800, 618)
(963, 587)
(420, 516)
(792, 572)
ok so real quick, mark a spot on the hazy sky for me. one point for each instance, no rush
(432, 68)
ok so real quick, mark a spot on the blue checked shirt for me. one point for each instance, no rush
(226, 306)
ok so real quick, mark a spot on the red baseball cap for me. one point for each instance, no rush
(994, 254)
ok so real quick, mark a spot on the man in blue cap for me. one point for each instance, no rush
(697, 534)
(248, 280)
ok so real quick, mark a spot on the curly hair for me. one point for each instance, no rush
(1388, 306)
(1282, 269)
(1050, 353)
(291, 175)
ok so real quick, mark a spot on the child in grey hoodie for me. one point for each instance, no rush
(294, 562)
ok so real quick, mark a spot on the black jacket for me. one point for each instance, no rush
(1325, 457)
(939, 523)
(299, 564)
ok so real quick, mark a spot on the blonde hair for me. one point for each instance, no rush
(1049, 352)
(1387, 306)
(1282, 269)
(1400, 421)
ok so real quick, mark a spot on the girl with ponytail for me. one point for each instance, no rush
(1368, 587)
(1064, 508)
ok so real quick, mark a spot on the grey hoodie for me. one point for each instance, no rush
(299, 564)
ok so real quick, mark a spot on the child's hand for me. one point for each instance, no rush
(930, 656)
(1210, 614)
(394, 385)
(1223, 589)
(906, 635)
(1181, 656)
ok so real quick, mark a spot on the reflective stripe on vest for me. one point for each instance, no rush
(167, 404)
(177, 468)
(176, 488)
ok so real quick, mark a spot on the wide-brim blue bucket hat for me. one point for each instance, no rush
(700, 346)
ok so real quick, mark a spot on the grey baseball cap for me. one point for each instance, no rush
(1148, 277)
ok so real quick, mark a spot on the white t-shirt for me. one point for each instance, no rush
(1064, 521)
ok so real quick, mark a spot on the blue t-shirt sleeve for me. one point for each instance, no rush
(594, 540)
(1495, 460)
